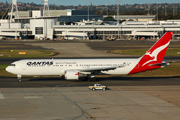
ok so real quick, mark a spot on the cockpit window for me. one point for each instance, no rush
(12, 65)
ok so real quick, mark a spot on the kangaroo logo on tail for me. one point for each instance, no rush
(155, 53)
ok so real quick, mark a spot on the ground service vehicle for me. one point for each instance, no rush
(98, 87)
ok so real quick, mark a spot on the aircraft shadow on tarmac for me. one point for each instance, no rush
(109, 79)
(8, 82)
(112, 81)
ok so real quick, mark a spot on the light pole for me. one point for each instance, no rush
(157, 12)
(107, 10)
(165, 11)
(88, 10)
(149, 7)
(118, 2)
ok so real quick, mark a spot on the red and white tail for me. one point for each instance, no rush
(154, 55)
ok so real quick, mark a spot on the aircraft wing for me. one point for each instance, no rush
(99, 69)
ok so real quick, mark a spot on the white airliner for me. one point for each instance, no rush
(76, 69)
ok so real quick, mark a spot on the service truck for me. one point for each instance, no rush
(98, 87)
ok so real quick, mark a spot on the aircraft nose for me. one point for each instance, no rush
(8, 69)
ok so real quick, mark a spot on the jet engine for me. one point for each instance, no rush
(74, 75)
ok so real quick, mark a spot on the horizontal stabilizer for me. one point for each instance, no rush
(160, 64)
(164, 63)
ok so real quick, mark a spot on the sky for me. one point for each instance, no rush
(95, 2)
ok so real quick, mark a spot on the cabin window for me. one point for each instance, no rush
(12, 65)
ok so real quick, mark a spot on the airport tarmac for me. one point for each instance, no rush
(79, 103)
(36, 82)
(80, 48)
(139, 98)
(74, 50)
(57, 99)
(94, 48)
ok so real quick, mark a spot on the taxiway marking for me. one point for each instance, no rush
(1, 95)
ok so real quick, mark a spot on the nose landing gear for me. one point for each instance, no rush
(19, 78)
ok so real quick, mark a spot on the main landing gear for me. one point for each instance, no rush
(19, 78)
(91, 78)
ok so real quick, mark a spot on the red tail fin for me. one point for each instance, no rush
(154, 55)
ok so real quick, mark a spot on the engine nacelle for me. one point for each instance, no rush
(73, 75)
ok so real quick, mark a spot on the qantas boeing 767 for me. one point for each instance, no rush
(76, 69)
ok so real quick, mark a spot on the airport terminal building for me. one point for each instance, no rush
(49, 28)
(125, 31)
(77, 24)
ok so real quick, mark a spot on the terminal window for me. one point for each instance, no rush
(39, 30)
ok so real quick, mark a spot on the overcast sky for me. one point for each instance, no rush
(95, 2)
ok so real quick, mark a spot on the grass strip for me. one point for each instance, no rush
(26, 53)
(171, 52)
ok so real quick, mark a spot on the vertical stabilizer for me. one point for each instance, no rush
(154, 55)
